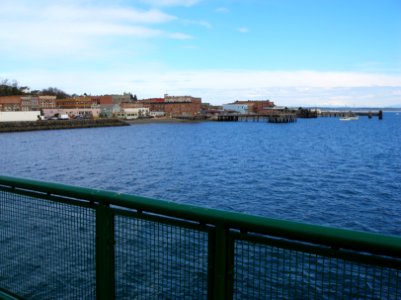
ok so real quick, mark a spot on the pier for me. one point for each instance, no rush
(271, 118)
(342, 114)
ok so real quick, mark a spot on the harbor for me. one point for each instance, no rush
(225, 185)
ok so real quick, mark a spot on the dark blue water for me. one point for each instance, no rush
(320, 171)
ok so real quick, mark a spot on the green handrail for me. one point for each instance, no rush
(333, 237)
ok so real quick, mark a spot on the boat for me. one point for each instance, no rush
(349, 118)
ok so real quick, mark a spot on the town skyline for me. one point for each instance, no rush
(296, 53)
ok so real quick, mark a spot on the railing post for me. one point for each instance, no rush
(105, 280)
(221, 251)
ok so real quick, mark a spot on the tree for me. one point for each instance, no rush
(10, 88)
(53, 91)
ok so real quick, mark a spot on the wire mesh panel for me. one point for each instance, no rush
(47, 248)
(159, 261)
(271, 272)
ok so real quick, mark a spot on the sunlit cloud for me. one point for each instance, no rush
(110, 14)
(51, 30)
(297, 88)
(170, 2)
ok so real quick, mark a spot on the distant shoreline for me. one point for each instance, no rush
(58, 124)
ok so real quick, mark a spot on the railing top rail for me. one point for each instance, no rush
(333, 237)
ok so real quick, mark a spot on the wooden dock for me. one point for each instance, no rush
(342, 114)
(271, 118)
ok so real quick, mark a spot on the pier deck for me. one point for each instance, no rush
(271, 118)
(341, 114)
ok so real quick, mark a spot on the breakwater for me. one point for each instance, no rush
(58, 124)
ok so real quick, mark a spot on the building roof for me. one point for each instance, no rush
(10, 99)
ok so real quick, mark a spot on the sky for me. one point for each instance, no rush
(293, 52)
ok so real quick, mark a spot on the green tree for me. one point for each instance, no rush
(53, 91)
(11, 88)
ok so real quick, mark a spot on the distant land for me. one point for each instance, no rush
(396, 108)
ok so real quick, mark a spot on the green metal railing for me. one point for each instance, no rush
(64, 242)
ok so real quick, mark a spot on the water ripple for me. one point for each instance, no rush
(321, 171)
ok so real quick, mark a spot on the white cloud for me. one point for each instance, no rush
(171, 2)
(298, 88)
(48, 30)
(111, 14)
(180, 36)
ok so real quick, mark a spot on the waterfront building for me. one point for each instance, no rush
(45, 101)
(126, 105)
(132, 113)
(73, 113)
(101, 100)
(29, 103)
(10, 103)
(108, 111)
(174, 109)
(74, 102)
(236, 108)
(174, 106)
(157, 114)
(124, 98)
(168, 98)
(84, 102)
(19, 116)
(256, 106)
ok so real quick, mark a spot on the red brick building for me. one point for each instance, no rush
(257, 106)
(137, 104)
(10, 103)
(174, 106)
(102, 100)
(47, 101)
(84, 102)
(76, 102)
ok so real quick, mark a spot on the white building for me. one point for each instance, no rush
(73, 113)
(239, 108)
(157, 114)
(19, 116)
(133, 113)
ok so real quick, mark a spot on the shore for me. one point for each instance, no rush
(58, 124)
(72, 124)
